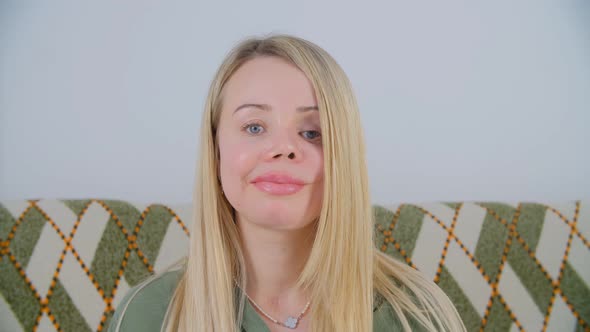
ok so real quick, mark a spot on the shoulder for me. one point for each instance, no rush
(385, 318)
(144, 306)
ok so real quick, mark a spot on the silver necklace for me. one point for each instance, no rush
(291, 321)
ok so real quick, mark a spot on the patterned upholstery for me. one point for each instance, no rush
(66, 264)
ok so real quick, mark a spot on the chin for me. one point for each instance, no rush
(277, 216)
(276, 212)
(280, 221)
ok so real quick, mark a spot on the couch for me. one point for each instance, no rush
(66, 264)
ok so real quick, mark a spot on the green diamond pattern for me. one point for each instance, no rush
(132, 240)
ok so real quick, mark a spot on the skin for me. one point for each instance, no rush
(277, 230)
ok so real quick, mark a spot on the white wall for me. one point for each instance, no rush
(461, 100)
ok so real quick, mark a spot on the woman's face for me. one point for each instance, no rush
(270, 145)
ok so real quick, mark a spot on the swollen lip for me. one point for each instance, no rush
(274, 188)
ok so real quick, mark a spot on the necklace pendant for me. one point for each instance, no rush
(291, 322)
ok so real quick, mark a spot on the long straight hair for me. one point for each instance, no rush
(344, 270)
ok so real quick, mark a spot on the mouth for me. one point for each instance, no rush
(278, 184)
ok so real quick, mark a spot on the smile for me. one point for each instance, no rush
(276, 183)
(274, 188)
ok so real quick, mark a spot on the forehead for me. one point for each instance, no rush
(269, 80)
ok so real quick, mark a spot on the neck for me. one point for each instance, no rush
(274, 259)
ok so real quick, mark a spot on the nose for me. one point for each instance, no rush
(290, 155)
(284, 144)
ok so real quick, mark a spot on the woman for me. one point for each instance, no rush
(282, 238)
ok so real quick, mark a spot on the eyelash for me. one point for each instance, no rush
(248, 125)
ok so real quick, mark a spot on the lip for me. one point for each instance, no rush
(278, 183)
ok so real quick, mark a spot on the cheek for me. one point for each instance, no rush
(318, 162)
(237, 160)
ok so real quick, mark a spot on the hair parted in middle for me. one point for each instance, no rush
(344, 272)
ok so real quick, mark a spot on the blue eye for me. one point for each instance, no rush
(256, 128)
(253, 128)
(315, 135)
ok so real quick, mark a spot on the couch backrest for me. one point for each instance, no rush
(66, 264)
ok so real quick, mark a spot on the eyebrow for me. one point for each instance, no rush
(266, 107)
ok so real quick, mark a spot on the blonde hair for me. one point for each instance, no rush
(344, 270)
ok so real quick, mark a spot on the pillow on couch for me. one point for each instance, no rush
(66, 264)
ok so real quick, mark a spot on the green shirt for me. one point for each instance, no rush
(144, 306)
